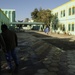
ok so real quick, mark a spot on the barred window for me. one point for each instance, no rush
(69, 11)
(63, 13)
(69, 27)
(6, 12)
(73, 10)
(72, 27)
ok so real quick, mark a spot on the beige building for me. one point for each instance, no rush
(66, 16)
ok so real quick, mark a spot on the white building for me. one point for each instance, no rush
(10, 13)
(66, 16)
(3, 19)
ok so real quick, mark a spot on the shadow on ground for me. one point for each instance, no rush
(30, 65)
(63, 43)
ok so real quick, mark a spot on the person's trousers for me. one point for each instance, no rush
(0, 63)
(9, 56)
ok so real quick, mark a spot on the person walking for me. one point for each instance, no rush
(2, 47)
(46, 30)
(10, 39)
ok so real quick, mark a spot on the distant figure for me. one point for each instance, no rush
(10, 39)
(46, 30)
(2, 47)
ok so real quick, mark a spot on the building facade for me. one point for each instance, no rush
(66, 16)
(10, 13)
(3, 19)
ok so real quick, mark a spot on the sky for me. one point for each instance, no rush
(24, 8)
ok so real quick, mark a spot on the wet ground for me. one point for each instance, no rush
(42, 54)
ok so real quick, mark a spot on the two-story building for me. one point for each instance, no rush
(66, 16)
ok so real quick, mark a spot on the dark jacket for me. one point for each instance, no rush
(2, 44)
(10, 39)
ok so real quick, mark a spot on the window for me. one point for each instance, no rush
(13, 16)
(69, 27)
(56, 14)
(63, 13)
(63, 28)
(73, 10)
(69, 11)
(10, 15)
(6, 12)
(72, 27)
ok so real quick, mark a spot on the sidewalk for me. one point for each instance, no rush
(55, 35)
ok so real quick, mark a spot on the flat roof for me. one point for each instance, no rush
(28, 23)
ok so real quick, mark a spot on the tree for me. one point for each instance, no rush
(34, 14)
(26, 19)
(42, 15)
(55, 22)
